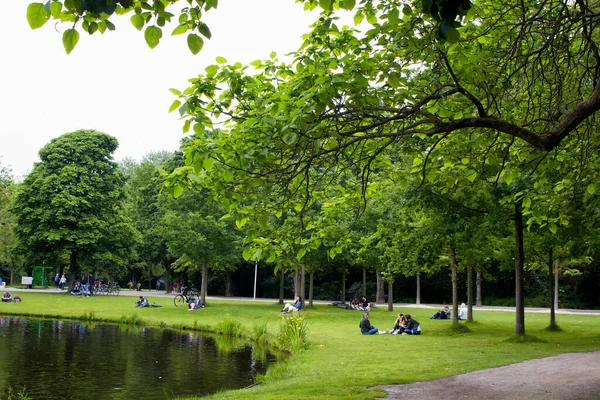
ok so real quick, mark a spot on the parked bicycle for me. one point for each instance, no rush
(187, 295)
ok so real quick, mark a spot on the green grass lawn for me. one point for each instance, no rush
(340, 362)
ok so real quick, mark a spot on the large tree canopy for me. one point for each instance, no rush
(71, 202)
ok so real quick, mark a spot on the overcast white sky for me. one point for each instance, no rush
(114, 83)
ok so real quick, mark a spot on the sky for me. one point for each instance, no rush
(114, 83)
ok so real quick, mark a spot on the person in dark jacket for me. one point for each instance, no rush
(365, 326)
(442, 314)
(412, 326)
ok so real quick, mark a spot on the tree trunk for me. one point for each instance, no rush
(364, 282)
(418, 298)
(551, 289)
(167, 279)
(478, 301)
(380, 295)
(343, 287)
(303, 285)
(12, 268)
(391, 296)
(454, 269)
(519, 274)
(228, 284)
(556, 265)
(204, 284)
(73, 270)
(297, 283)
(281, 281)
(311, 288)
(470, 293)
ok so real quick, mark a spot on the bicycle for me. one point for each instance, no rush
(185, 297)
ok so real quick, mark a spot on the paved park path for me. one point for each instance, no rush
(574, 376)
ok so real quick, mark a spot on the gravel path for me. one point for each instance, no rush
(574, 376)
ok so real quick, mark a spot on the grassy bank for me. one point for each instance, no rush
(340, 362)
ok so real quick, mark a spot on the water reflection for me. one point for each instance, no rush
(73, 360)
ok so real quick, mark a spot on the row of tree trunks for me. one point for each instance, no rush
(418, 297)
(478, 302)
(470, 293)
(454, 269)
(551, 288)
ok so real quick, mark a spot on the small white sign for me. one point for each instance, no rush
(27, 280)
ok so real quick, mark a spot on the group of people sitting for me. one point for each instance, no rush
(404, 324)
(362, 305)
(7, 298)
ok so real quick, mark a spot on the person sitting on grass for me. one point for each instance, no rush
(142, 302)
(6, 297)
(399, 324)
(295, 307)
(462, 312)
(194, 304)
(442, 314)
(76, 289)
(412, 326)
(366, 328)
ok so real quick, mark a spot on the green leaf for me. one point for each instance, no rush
(347, 4)
(178, 190)
(208, 163)
(449, 32)
(591, 189)
(174, 105)
(553, 228)
(137, 21)
(110, 25)
(526, 202)
(393, 81)
(325, 4)
(195, 43)
(406, 10)
(152, 36)
(301, 253)
(204, 30)
(55, 9)
(211, 70)
(289, 138)
(70, 39)
(210, 4)
(37, 15)
(221, 60)
(181, 29)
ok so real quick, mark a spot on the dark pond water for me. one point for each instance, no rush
(73, 360)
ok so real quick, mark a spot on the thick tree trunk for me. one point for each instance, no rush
(204, 284)
(556, 265)
(364, 282)
(418, 298)
(454, 269)
(343, 287)
(380, 294)
(73, 270)
(390, 295)
(12, 268)
(311, 284)
(478, 302)
(297, 283)
(519, 274)
(281, 281)
(551, 289)
(167, 279)
(470, 293)
(228, 284)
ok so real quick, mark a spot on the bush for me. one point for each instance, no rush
(230, 327)
(259, 331)
(292, 333)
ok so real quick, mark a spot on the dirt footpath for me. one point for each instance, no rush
(574, 376)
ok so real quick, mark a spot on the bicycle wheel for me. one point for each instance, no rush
(116, 290)
(179, 300)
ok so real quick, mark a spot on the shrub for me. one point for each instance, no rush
(292, 333)
(230, 326)
(259, 331)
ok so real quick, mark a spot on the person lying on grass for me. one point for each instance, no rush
(194, 304)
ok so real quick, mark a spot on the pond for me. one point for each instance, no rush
(73, 360)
